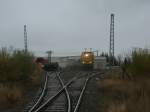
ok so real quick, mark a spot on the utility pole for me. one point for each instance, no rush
(25, 39)
(111, 47)
(49, 56)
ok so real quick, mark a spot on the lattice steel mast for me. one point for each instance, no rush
(111, 49)
(25, 39)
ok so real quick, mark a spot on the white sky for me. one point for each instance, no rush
(69, 26)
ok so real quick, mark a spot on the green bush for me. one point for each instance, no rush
(15, 66)
(138, 64)
(18, 72)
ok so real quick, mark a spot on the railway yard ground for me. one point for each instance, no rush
(92, 94)
(93, 98)
(89, 99)
(105, 92)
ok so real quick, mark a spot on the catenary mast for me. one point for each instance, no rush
(25, 38)
(111, 49)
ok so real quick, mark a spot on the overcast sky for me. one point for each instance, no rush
(69, 26)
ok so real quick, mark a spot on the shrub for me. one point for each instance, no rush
(17, 71)
(137, 65)
(140, 63)
(16, 66)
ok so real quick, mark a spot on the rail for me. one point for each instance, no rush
(82, 92)
(54, 96)
(38, 106)
(42, 94)
(67, 94)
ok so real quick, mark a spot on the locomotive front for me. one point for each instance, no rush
(87, 58)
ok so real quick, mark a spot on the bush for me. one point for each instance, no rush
(16, 66)
(17, 72)
(138, 65)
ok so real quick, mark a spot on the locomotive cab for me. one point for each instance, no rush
(87, 58)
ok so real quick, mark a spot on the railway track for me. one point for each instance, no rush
(60, 95)
(78, 87)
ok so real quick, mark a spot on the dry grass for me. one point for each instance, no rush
(128, 89)
(36, 77)
(114, 107)
(10, 95)
(125, 95)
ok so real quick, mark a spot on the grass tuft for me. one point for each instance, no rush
(10, 95)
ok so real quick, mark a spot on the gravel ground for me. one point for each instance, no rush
(93, 97)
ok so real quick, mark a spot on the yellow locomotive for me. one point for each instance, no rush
(87, 58)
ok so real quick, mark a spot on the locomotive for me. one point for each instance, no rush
(87, 59)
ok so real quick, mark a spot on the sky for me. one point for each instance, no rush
(68, 26)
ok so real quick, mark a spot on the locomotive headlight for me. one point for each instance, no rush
(86, 55)
(83, 62)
